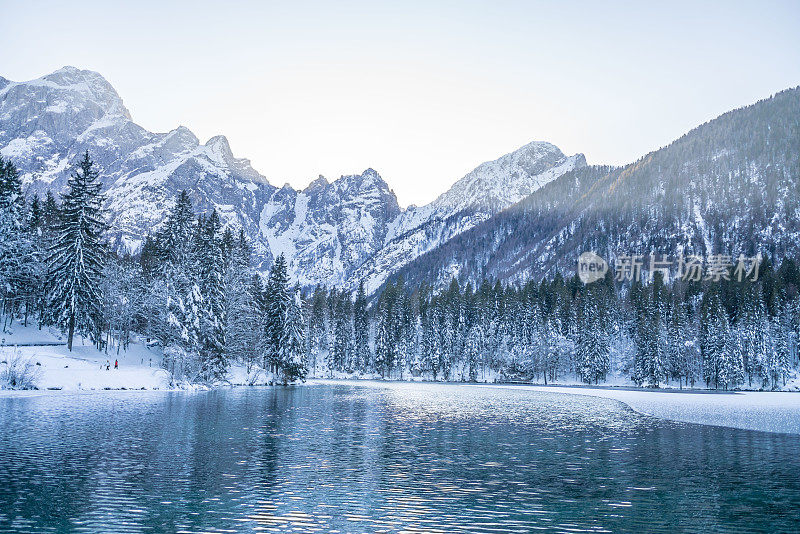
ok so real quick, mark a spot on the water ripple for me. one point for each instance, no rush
(387, 458)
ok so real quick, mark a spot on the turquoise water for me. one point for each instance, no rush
(399, 457)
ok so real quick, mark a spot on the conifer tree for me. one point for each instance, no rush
(716, 348)
(361, 330)
(242, 327)
(472, 351)
(277, 298)
(210, 269)
(18, 254)
(780, 334)
(383, 348)
(76, 258)
(293, 340)
(174, 241)
(50, 210)
(592, 343)
(316, 329)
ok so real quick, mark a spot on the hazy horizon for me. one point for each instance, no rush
(421, 93)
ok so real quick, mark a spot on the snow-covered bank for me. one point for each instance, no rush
(768, 411)
(85, 368)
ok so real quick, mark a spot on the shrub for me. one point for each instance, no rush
(17, 372)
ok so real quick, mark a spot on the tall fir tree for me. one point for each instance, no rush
(292, 343)
(277, 298)
(361, 330)
(210, 269)
(76, 258)
(19, 254)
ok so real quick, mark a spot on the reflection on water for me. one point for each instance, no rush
(394, 457)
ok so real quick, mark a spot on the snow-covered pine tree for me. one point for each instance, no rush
(401, 322)
(719, 352)
(293, 340)
(76, 258)
(342, 333)
(20, 251)
(592, 341)
(122, 301)
(184, 318)
(680, 346)
(415, 365)
(31, 256)
(316, 330)
(242, 328)
(386, 336)
(428, 349)
(651, 336)
(50, 211)
(556, 350)
(362, 359)
(472, 351)
(170, 261)
(410, 332)
(778, 349)
(730, 366)
(383, 343)
(752, 330)
(175, 238)
(35, 215)
(277, 298)
(451, 315)
(210, 269)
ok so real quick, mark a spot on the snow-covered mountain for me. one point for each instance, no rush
(730, 186)
(488, 189)
(328, 229)
(333, 233)
(47, 123)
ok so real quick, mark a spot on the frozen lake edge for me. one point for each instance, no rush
(764, 411)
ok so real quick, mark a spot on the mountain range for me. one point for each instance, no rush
(730, 185)
(332, 232)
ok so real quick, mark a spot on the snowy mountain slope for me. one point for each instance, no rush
(488, 189)
(45, 124)
(730, 186)
(333, 233)
(328, 228)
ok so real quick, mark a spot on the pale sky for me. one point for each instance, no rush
(420, 91)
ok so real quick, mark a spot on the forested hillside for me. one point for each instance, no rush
(729, 186)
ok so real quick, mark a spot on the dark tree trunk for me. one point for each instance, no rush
(71, 331)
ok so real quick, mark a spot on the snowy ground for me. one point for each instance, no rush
(769, 411)
(85, 367)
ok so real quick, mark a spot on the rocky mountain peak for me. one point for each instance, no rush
(332, 233)
(90, 85)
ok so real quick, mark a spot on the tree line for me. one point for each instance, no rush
(726, 334)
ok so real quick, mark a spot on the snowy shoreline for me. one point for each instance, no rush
(83, 372)
(765, 411)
